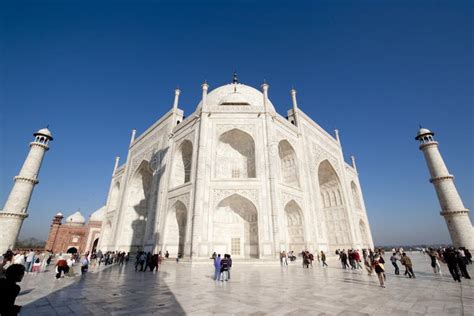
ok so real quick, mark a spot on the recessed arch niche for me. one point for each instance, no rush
(182, 163)
(175, 229)
(235, 155)
(288, 163)
(294, 223)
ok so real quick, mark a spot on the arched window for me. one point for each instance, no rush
(235, 156)
(182, 163)
(288, 163)
(337, 221)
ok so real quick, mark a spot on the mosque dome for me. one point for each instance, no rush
(59, 214)
(98, 215)
(75, 219)
(44, 132)
(423, 131)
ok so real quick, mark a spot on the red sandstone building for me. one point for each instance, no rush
(75, 235)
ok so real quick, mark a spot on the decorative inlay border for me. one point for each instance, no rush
(184, 198)
(10, 214)
(248, 128)
(25, 179)
(455, 213)
(39, 145)
(448, 177)
(428, 144)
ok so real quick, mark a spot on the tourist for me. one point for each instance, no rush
(214, 256)
(343, 258)
(84, 265)
(461, 259)
(61, 266)
(230, 266)
(357, 259)
(406, 261)
(217, 267)
(468, 256)
(148, 262)
(36, 264)
(323, 259)
(283, 260)
(433, 254)
(7, 261)
(9, 290)
(306, 259)
(29, 261)
(167, 254)
(225, 264)
(393, 260)
(379, 268)
(350, 255)
(450, 259)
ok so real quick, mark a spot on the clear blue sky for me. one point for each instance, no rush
(372, 69)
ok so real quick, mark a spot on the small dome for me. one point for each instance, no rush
(45, 132)
(75, 219)
(98, 215)
(235, 98)
(423, 131)
(59, 214)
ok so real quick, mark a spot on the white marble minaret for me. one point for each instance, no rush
(15, 210)
(452, 207)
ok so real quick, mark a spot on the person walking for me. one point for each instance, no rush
(323, 259)
(462, 265)
(29, 261)
(84, 265)
(217, 267)
(393, 260)
(450, 259)
(406, 261)
(433, 254)
(379, 269)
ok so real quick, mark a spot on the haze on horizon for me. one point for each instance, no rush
(374, 70)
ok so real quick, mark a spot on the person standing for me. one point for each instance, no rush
(9, 290)
(84, 264)
(393, 260)
(29, 261)
(406, 261)
(217, 267)
(225, 263)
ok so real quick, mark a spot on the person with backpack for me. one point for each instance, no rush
(379, 269)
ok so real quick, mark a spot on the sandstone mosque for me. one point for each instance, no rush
(235, 177)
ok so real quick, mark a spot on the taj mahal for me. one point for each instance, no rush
(234, 177)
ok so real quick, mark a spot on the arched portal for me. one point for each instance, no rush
(235, 155)
(295, 227)
(94, 245)
(182, 163)
(337, 221)
(288, 163)
(355, 196)
(175, 229)
(114, 197)
(236, 227)
(72, 250)
(364, 234)
(135, 215)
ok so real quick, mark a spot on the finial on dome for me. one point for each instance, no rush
(234, 78)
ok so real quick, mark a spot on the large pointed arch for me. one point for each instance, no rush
(235, 155)
(175, 229)
(364, 233)
(235, 227)
(137, 207)
(288, 163)
(355, 196)
(294, 222)
(337, 220)
(182, 163)
(114, 197)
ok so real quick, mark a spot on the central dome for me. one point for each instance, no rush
(75, 219)
(235, 98)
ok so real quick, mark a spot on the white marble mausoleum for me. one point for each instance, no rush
(235, 177)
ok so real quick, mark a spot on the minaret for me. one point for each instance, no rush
(16, 207)
(452, 208)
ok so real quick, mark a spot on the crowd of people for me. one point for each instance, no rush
(222, 267)
(148, 260)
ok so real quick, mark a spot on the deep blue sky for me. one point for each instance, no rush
(373, 69)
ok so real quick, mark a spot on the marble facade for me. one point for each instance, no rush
(235, 177)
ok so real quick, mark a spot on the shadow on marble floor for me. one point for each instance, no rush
(117, 290)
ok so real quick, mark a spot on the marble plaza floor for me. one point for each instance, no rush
(255, 289)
